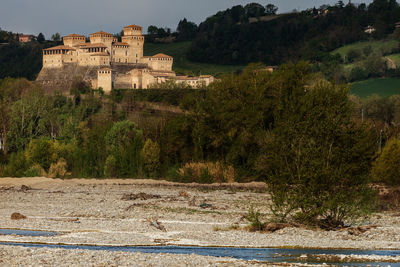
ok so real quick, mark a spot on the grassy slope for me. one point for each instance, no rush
(395, 58)
(382, 87)
(382, 45)
(181, 64)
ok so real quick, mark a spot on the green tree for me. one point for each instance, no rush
(386, 167)
(56, 37)
(271, 9)
(316, 160)
(124, 141)
(151, 158)
(41, 38)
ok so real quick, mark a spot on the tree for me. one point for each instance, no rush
(254, 10)
(151, 158)
(271, 9)
(316, 159)
(56, 37)
(187, 30)
(41, 38)
(124, 141)
(386, 168)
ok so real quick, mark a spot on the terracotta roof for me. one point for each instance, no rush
(205, 76)
(120, 43)
(60, 47)
(99, 54)
(161, 56)
(74, 35)
(133, 26)
(105, 68)
(102, 33)
(90, 45)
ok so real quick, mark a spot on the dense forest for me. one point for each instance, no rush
(228, 37)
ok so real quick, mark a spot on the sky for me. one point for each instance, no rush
(88, 16)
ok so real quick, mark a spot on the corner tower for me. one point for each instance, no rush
(134, 38)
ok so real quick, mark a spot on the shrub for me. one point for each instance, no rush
(110, 167)
(17, 165)
(207, 172)
(151, 158)
(59, 169)
(316, 160)
(386, 167)
(35, 171)
(41, 151)
(254, 218)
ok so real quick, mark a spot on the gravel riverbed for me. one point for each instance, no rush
(125, 212)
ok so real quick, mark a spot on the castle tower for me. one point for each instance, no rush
(104, 79)
(134, 38)
(102, 38)
(74, 40)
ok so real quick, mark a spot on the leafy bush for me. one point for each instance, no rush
(316, 160)
(35, 171)
(386, 167)
(151, 158)
(59, 169)
(17, 165)
(207, 172)
(254, 218)
(40, 151)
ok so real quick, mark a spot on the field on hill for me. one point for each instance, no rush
(383, 87)
(385, 46)
(182, 65)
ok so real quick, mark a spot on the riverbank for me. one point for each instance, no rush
(148, 212)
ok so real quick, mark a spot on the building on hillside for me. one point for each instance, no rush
(24, 38)
(107, 63)
(369, 29)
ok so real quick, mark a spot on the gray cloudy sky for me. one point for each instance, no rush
(87, 16)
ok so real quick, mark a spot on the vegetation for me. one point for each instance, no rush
(382, 87)
(387, 166)
(230, 37)
(306, 137)
(182, 64)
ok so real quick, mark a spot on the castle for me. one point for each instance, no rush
(106, 63)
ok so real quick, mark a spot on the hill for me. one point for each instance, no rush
(227, 38)
(182, 65)
(382, 87)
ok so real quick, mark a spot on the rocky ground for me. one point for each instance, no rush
(140, 212)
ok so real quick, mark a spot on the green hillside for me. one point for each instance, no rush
(382, 87)
(181, 64)
(384, 46)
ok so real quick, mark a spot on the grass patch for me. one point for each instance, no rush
(395, 58)
(384, 46)
(182, 65)
(384, 87)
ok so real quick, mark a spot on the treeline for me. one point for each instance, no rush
(228, 38)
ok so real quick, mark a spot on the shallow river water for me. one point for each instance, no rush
(260, 254)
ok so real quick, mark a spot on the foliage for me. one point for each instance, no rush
(59, 169)
(254, 216)
(386, 168)
(229, 37)
(35, 171)
(151, 158)
(182, 65)
(207, 172)
(40, 152)
(124, 141)
(316, 159)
